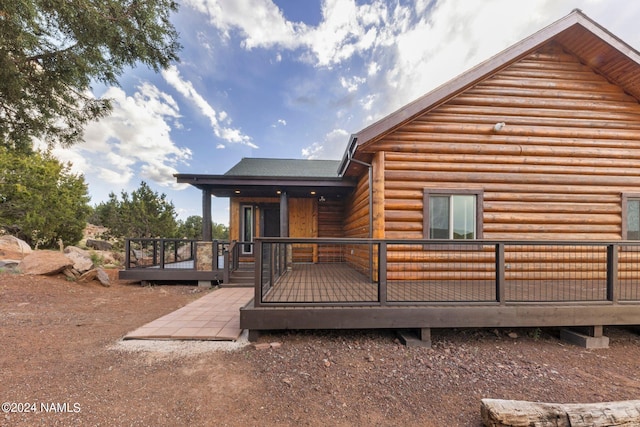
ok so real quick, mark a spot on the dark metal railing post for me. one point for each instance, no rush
(175, 251)
(272, 263)
(162, 243)
(127, 253)
(257, 299)
(382, 272)
(225, 268)
(214, 267)
(500, 266)
(195, 258)
(612, 273)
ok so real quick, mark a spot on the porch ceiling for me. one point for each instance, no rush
(255, 186)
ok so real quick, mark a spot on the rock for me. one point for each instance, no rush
(44, 262)
(81, 258)
(262, 346)
(70, 273)
(514, 413)
(9, 263)
(88, 276)
(108, 257)
(103, 277)
(276, 344)
(100, 245)
(92, 231)
(13, 248)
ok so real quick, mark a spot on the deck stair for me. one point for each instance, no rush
(244, 276)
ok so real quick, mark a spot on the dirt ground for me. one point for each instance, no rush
(60, 349)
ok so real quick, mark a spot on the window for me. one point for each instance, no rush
(452, 215)
(247, 229)
(631, 217)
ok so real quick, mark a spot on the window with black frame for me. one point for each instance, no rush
(632, 214)
(452, 215)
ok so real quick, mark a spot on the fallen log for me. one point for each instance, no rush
(516, 413)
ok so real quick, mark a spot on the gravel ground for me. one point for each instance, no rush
(62, 349)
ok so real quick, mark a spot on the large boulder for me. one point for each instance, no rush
(81, 259)
(12, 248)
(100, 245)
(45, 262)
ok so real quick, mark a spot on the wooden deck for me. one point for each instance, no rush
(336, 296)
(320, 283)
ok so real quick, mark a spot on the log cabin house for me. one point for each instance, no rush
(509, 196)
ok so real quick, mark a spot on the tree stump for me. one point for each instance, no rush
(515, 413)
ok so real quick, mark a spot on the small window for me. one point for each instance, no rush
(246, 232)
(631, 217)
(454, 216)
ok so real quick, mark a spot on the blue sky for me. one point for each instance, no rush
(293, 79)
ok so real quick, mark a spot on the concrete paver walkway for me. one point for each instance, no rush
(215, 316)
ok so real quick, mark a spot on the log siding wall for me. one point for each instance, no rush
(557, 170)
(356, 223)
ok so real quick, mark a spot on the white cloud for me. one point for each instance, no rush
(220, 147)
(331, 147)
(396, 51)
(135, 135)
(216, 120)
(352, 84)
(346, 28)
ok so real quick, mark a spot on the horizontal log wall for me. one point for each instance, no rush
(330, 224)
(356, 223)
(556, 171)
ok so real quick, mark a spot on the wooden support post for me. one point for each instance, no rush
(377, 192)
(207, 235)
(284, 214)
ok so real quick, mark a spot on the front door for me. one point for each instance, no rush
(271, 221)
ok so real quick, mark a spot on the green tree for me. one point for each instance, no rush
(220, 231)
(51, 51)
(41, 200)
(191, 228)
(143, 214)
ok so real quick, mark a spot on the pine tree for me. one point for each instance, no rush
(52, 51)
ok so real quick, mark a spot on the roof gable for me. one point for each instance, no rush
(576, 33)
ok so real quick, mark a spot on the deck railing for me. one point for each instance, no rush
(170, 253)
(414, 272)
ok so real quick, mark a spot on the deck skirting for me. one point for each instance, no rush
(438, 316)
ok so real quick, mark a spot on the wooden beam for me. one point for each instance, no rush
(206, 215)
(378, 167)
(284, 214)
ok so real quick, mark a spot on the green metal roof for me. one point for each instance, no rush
(260, 167)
